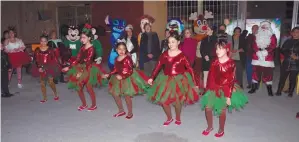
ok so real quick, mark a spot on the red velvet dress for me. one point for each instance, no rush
(133, 82)
(84, 70)
(47, 60)
(221, 84)
(177, 82)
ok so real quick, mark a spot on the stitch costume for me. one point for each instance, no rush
(117, 27)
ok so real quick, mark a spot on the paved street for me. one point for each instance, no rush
(24, 119)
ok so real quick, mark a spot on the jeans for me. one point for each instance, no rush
(249, 70)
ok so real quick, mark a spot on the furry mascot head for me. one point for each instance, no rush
(98, 31)
(175, 25)
(73, 33)
(117, 27)
(200, 24)
(263, 37)
(146, 19)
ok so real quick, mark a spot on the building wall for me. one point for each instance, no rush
(157, 9)
(24, 16)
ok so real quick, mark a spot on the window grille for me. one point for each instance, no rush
(220, 9)
(73, 15)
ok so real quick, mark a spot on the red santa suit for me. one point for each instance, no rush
(263, 57)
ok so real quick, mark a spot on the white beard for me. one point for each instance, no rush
(263, 38)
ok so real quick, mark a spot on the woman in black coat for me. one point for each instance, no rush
(290, 64)
(208, 53)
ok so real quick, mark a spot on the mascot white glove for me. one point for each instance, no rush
(98, 60)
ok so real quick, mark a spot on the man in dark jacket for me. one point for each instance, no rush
(149, 50)
(249, 52)
(5, 66)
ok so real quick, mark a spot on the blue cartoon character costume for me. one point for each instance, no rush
(117, 27)
(73, 41)
(175, 25)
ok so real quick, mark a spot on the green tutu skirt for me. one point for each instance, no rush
(78, 76)
(217, 104)
(170, 89)
(130, 86)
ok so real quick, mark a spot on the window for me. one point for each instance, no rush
(73, 15)
(220, 9)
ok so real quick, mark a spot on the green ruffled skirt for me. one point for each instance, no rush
(79, 76)
(170, 89)
(130, 86)
(217, 104)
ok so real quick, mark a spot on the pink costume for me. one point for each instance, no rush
(188, 47)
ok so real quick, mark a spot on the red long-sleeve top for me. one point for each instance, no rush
(42, 58)
(222, 76)
(173, 66)
(85, 56)
(124, 68)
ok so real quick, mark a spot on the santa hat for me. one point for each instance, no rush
(266, 24)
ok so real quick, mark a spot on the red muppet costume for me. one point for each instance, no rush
(263, 57)
(177, 81)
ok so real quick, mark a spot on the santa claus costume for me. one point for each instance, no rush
(84, 71)
(263, 57)
(222, 91)
(15, 47)
(176, 84)
(46, 67)
(125, 80)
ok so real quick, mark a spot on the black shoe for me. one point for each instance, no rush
(248, 86)
(62, 79)
(290, 95)
(297, 116)
(253, 88)
(269, 89)
(6, 95)
(278, 93)
(55, 81)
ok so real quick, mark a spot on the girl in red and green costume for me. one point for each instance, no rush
(84, 71)
(177, 84)
(222, 90)
(125, 80)
(46, 67)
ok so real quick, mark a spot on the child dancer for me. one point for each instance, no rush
(125, 80)
(84, 71)
(222, 90)
(46, 67)
(176, 84)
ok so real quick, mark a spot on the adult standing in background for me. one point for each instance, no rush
(15, 48)
(290, 64)
(237, 50)
(149, 49)
(249, 52)
(132, 43)
(208, 52)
